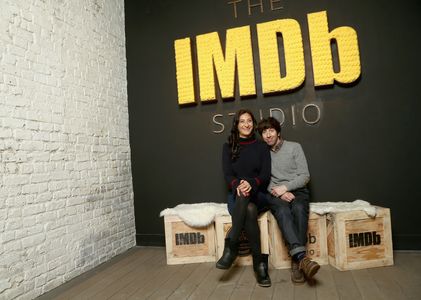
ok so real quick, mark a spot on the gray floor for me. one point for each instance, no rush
(142, 273)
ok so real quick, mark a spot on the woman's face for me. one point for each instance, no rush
(245, 125)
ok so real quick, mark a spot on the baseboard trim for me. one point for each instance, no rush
(150, 240)
(406, 241)
(400, 241)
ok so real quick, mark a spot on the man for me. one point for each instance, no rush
(288, 197)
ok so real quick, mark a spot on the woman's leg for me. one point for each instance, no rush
(239, 213)
(238, 217)
(260, 262)
(251, 227)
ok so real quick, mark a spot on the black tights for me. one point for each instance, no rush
(244, 215)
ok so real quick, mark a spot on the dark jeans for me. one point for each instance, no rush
(292, 218)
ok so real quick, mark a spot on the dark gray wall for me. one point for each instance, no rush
(364, 147)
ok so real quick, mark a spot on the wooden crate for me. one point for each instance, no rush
(279, 257)
(223, 224)
(356, 241)
(185, 244)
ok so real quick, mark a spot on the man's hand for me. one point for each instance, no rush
(288, 197)
(279, 190)
(244, 189)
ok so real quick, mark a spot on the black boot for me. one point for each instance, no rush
(260, 267)
(229, 255)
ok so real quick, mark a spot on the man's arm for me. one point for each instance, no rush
(302, 173)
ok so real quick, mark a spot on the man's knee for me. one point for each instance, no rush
(300, 207)
(280, 211)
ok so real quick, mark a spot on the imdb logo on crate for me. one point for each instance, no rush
(347, 240)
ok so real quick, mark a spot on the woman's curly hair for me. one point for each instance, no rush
(234, 137)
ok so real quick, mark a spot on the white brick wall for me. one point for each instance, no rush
(66, 197)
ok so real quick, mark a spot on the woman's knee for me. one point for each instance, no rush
(241, 202)
(251, 211)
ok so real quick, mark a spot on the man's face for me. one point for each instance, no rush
(270, 136)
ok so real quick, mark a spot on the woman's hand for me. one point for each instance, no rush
(244, 188)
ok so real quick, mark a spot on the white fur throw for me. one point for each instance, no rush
(197, 214)
(203, 214)
(322, 208)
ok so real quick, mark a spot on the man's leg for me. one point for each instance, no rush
(300, 208)
(282, 212)
(292, 219)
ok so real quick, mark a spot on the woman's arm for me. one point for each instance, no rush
(262, 179)
(229, 175)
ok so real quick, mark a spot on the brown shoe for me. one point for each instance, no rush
(308, 267)
(297, 276)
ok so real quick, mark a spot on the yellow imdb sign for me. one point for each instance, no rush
(211, 60)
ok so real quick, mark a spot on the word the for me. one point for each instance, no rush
(255, 4)
(189, 238)
(279, 114)
(364, 239)
(237, 60)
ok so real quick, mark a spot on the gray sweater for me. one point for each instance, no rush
(289, 167)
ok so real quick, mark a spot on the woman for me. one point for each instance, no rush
(246, 165)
